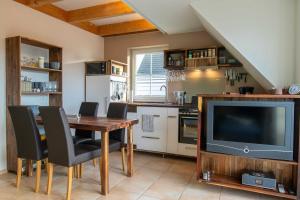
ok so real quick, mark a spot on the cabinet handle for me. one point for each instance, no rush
(148, 137)
(172, 117)
(190, 148)
(156, 115)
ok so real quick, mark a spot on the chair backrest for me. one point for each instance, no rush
(29, 145)
(117, 111)
(88, 109)
(59, 138)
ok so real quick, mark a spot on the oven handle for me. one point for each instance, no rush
(148, 137)
(188, 117)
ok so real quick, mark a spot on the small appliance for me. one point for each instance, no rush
(180, 97)
(259, 179)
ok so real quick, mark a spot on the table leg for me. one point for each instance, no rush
(129, 152)
(104, 163)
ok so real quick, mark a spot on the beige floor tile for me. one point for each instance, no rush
(155, 178)
(144, 197)
(201, 192)
(119, 195)
(230, 194)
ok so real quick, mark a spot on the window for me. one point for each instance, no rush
(148, 74)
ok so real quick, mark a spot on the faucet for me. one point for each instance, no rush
(166, 90)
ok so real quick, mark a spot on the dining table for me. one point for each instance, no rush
(105, 126)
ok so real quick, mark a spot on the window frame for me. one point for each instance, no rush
(134, 52)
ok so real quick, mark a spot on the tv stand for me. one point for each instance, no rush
(227, 169)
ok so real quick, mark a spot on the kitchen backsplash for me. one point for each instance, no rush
(211, 82)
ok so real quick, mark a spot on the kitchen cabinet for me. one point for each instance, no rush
(157, 139)
(187, 149)
(172, 130)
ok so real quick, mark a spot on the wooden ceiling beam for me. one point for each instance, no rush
(37, 3)
(130, 27)
(99, 12)
(137, 26)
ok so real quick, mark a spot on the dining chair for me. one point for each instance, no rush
(116, 137)
(87, 109)
(29, 144)
(61, 149)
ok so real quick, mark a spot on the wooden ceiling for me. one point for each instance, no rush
(83, 17)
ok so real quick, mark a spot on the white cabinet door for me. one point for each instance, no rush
(172, 138)
(187, 149)
(156, 140)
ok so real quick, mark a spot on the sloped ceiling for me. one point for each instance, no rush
(169, 16)
(263, 39)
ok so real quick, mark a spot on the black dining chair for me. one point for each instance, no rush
(28, 138)
(87, 109)
(61, 149)
(116, 137)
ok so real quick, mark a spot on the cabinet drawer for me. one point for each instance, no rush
(187, 149)
(151, 143)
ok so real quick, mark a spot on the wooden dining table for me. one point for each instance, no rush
(105, 126)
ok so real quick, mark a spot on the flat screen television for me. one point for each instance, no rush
(260, 129)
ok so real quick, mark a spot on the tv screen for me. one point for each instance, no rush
(261, 129)
(259, 125)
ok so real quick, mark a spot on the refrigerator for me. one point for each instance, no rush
(105, 89)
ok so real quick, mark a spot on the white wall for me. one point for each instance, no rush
(297, 74)
(260, 33)
(78, 46)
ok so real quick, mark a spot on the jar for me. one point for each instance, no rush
(41, 62)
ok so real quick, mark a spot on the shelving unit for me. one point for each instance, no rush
(16, 47)
(199, 59)
(227, 169)
(175, 59)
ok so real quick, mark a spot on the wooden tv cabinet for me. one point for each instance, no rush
(227, 169)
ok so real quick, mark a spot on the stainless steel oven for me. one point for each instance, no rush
(188, 126)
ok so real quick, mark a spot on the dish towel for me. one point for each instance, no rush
(147, 123)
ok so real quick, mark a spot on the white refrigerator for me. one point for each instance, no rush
(105, 89)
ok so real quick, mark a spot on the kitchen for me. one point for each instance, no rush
(152, 74)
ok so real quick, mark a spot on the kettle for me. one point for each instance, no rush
(180, 97)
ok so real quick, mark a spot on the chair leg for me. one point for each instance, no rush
(70, 179)
(38, 175)
(19, 172)
(50, 175)
(123, 158)
(95, 162)
(77, 171)
(80, 169)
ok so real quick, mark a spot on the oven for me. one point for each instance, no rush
(188, 127)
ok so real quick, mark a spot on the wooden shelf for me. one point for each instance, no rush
(262, 159)
(40, 69)
(235, 183)
(203, 58)
(41, 93)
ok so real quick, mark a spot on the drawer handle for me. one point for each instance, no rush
(156, 115)
(148, 137)
(172, 117)
(190, 148)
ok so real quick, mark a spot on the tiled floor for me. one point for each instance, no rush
(155, 178)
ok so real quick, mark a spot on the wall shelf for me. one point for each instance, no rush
(41, 93)
(40, 69)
